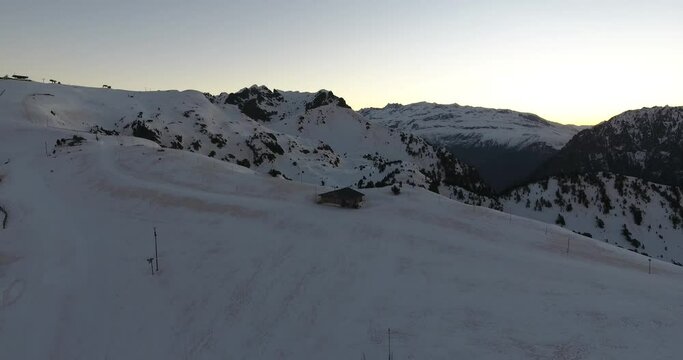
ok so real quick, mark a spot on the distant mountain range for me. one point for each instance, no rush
(504, 145)
(645, 143)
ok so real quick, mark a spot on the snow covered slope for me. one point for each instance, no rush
(314, 138)
(625, 211)
(504, 145)
(645, 143)
(252, 268)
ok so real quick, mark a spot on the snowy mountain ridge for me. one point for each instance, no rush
(637, 123)
(504, 145)
(645, 143)
(308, 137)
(473, 126)
(260, 103)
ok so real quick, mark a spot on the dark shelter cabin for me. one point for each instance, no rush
(345, 197)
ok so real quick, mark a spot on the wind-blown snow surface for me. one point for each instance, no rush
(252, 268)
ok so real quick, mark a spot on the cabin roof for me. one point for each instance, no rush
(345, 192)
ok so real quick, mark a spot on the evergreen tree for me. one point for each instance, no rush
(599, 223)
(560, 220)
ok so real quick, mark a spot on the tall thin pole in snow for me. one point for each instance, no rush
(649, 266)
(156, 253)
(389, 332)
(151, 265)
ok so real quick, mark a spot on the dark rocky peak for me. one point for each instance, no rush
(210, 97)
(645, 143)
(255, 101)
(326, 97)
(261, 94)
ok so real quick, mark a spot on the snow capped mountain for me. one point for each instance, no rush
(309, 137)
(645, 143)
(252, 268)
(260, 103)
(621, 210)
(473, 126)
(504, 145)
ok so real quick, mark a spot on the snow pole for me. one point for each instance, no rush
(151, 264)
(649, 266)
(389, 348)
(4, 219)
(156, 253)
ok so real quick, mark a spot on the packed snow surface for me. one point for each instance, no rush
(252, 268)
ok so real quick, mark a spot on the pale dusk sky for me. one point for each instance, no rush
(568, 61)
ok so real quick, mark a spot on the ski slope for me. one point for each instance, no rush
(252, 268)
